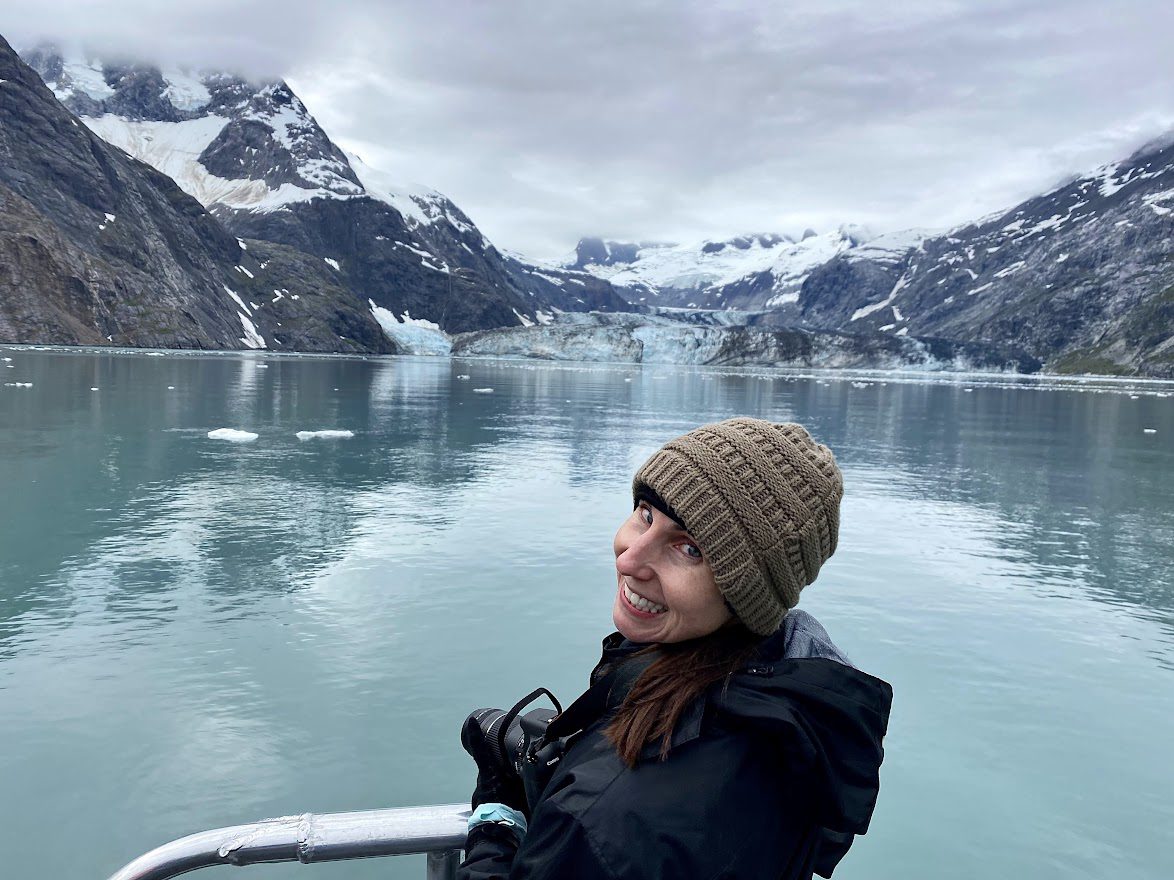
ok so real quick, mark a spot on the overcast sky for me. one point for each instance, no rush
(659, 120)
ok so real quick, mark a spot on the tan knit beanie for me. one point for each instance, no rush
(762, 501)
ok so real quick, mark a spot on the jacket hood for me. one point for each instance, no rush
(827, 719)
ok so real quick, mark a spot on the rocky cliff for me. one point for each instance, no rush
(255, 157)
(97, 248)
(1081, 277)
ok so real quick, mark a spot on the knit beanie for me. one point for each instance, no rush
(762, 500)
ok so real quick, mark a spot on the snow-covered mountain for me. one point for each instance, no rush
(1081, 276)
(746, 273)
(254, 156)
(284, 240)
(96, 248)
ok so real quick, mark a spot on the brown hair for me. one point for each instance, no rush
(675, 679)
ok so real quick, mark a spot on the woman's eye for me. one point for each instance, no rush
(646, 516)
(692, 551)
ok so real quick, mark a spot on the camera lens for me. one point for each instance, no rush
(490, 721)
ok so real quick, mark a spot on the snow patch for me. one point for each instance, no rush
(419, 205)
(237, 299)
(332, 264)
(81, 76)
(251, 339)
(782, 299)
(184, 90)
(174, 148)
(865, 311)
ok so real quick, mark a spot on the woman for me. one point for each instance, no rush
(723, 735)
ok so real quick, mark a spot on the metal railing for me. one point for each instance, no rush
(439, 831)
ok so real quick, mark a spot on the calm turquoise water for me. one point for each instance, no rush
(196, 633)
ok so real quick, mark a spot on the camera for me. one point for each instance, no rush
(508, 738)
(511, 735)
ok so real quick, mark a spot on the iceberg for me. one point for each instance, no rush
(232, 435)
(324, 435)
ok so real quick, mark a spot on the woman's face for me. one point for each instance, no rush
(657, 561)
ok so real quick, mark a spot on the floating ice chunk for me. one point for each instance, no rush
(6, 359)
(93, 387)
(1143, 430)
(232, 435)
(262, 366)
(482, 390)
(170, 387)
(18, 384)
(462, 377)
(324, 435)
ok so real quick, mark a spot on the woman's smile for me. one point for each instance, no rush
(638, 604)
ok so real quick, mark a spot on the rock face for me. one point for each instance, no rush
(1082, 277)
(97, 248)
(658, 339)
(255, 158)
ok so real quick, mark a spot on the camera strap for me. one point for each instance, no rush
(518, 707)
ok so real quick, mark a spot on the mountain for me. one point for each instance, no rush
(746, 273)
(254, 156)
(97, 248)
(1081, 276)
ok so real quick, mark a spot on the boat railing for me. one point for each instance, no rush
(438, 831)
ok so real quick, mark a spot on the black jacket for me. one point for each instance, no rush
(769, 777)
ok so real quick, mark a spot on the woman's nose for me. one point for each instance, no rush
(634, 561)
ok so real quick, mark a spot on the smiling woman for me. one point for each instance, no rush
(724, 734)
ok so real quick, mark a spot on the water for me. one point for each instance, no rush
(196, 633)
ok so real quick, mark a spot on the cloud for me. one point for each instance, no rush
(683, 120)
